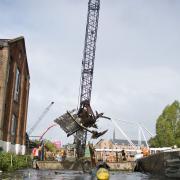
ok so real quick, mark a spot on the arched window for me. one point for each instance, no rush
(17, 86)
(13, 125)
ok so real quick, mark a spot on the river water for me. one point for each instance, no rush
(33, 174)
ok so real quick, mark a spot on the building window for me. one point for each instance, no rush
(13, 125)
(20, 55)
(17, 85)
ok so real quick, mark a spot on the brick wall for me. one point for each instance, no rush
(15, 109)
(3, 82)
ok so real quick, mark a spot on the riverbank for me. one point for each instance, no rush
(12, 162)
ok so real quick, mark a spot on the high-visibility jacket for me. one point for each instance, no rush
(35, 152)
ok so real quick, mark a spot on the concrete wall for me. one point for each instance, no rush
(122, 166)
(157, 163)
(14, 148)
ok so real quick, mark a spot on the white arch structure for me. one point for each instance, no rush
(140, 131)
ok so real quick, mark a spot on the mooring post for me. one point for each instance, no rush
(11, 160)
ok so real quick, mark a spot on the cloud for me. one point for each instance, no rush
(137, 59)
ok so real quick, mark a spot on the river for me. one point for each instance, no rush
(33, 174)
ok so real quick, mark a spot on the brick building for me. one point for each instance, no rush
(14, 93)
(104, 144)
(111, 150)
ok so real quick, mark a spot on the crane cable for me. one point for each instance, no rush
(78, 105)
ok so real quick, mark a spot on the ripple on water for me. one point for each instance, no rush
(28, 174)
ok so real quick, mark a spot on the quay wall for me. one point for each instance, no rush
(122, 166)
(157, 163)
(48, 165)
(57, 165)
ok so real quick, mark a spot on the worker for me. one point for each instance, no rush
(42, 150)
(39, 152)
(117, 156)
(35, 153)
(145, 152)
(63, 154)
(123, 155)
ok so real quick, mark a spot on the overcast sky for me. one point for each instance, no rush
(136, 67)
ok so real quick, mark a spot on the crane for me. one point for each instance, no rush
(79, 121)
(85, 109)
(40, 118)
(42, 135)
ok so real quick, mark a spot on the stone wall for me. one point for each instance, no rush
(157, 163)
(122, 166)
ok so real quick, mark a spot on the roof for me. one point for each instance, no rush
(11, 40)
(101, 140)
(3, 43)
(6, 42)
(16, 39)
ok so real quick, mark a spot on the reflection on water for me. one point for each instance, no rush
(72, 175)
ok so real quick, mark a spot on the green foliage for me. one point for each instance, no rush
(168, 127)
(10, 162)
(37, 143)
(154, 142)
(50, 146)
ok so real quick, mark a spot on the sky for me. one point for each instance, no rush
(136, 66)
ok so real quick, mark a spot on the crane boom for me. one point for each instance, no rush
(40, 118)
(89, 50)
(87, 72)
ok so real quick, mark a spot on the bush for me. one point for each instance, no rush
(10, 161)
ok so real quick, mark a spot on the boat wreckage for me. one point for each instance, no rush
(71, 122)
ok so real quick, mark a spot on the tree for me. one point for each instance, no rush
(48, 144)
(168, 127)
